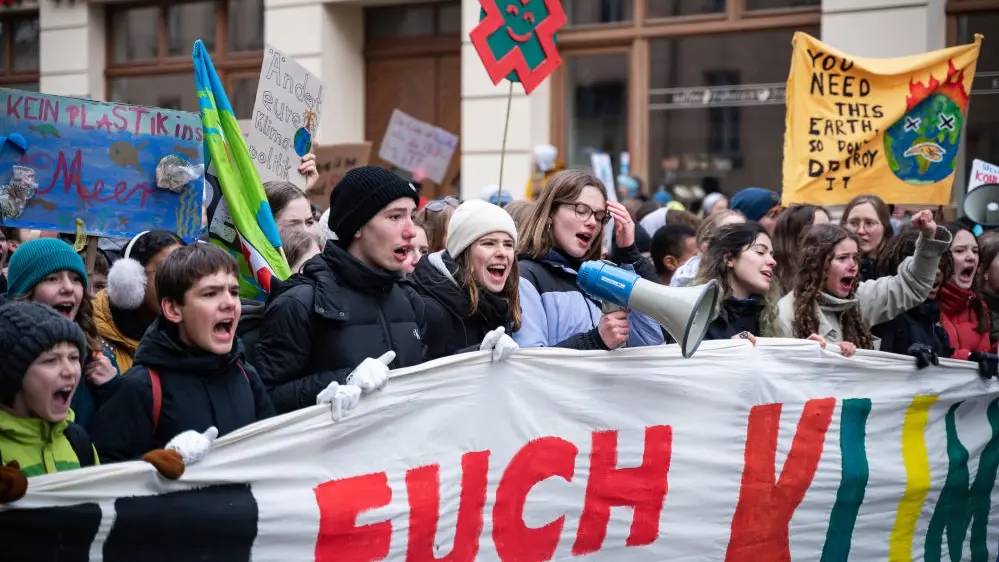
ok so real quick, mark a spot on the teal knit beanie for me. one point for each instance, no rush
(38, 259)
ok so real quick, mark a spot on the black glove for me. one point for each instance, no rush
(924, 354)
(988, 364)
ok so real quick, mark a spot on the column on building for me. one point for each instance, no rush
(327, 39)
(483, 110)
(884, 28)
(72, 48)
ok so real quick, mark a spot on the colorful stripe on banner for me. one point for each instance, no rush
(917, 478)
(853, 482)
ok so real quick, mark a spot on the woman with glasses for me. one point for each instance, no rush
(564, 230)
(434, 218)
(868, 217)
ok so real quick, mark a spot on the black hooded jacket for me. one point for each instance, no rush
(320, 324)
(736, 316)
(451, 326)
(199, 390)
(916, 325)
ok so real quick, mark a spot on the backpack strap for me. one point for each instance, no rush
(81, 444)
(154, 380)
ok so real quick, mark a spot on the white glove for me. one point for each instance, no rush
(342, 398)
(193, 446)
(500, 344)
(372, 374)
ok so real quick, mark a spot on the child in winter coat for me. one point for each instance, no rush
(49, 271)
(190, 381)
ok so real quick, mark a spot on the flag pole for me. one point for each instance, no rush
(506, 129)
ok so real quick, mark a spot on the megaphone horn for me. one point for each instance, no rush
(685, 312)
(982, 205)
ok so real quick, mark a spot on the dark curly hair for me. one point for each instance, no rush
(817, 253)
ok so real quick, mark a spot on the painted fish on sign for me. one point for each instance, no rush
(97, 161)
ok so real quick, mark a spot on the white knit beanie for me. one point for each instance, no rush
(472, 220)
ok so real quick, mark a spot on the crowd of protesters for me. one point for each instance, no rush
(152, 354)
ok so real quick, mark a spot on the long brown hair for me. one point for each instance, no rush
(84, 319)
(790, 230)
(434, 222)
(988, 249)
(729, 242)
(884, 215)
(510, 293)
(977, 304)
(817, 253)
(536, 237)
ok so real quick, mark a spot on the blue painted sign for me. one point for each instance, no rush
(97, 161)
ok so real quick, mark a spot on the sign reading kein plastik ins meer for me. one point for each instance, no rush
(285, 117)
(891, 127)
(516, 40)
(97, 161)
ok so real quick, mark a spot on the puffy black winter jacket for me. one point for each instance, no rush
(451, 326)
(320, 324)
(199, 390)
(736, 316)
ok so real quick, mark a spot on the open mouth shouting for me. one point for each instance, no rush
(402, 252)
(585, 238)
(966, 276)
(846, 285)
(62, 397)
(66, 308)
(497, 272)
(224, 330)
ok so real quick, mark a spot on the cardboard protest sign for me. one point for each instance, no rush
(285, 117)
(516, 40)
(96, 161)
(777, 452)
(891, 127)
(332, 162)
(982, 173)
(414, 145)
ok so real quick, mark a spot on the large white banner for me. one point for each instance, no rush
(774, 453)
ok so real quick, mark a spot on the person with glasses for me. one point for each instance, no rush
(434, 217)
(565, 229)
(868, 217)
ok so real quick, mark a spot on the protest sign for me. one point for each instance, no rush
(285, 117)
(414, 145)
(516, 40)
(777, 452)
(889, 127)
(332, 162)
(982, 173)
(96, 161)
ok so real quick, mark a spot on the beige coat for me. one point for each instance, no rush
(879, 300)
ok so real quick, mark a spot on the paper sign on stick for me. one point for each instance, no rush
(412, 144)
(889, 127)
(333, 161)
(285, 117)
(982, 173)
(97, 161)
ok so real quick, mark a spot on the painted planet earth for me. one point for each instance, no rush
(922, 146)
(303, 141)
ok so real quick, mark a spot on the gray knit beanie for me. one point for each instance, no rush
(28, 329)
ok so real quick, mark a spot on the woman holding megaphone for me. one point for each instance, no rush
(566, 229)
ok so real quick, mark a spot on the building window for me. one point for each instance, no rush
(19, 51)
(674, 8)
(596, 107)
(778, 4)
(981, 134)
(149, 51)
(590, 12)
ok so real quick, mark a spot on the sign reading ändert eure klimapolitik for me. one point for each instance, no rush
(285, 117)
(96, 161)
(774, 453)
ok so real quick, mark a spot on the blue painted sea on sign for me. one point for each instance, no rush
(97, 161)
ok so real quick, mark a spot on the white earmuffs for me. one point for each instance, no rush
(127, 280)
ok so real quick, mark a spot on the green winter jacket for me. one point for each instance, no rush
(39, 446)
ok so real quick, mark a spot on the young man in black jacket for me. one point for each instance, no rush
(190, 375)
(325, 327)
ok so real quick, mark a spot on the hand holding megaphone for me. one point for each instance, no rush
(614, 328)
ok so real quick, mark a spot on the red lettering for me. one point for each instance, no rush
(83, 120)
(187, 133)
(423, 490)
(122, 123)
(14, 106)
(197, 135)
(27, 108)
(74, 112)
(760, 523)
(535, 462)
(159, 124)
(70, 173)
(104, 122)
(643, 488)
(139, 112)
(340, 502)
(50, 110)
(72, 180)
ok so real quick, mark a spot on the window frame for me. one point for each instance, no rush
(8, 76)
(229, 64)
(634, 37)
(437, 43)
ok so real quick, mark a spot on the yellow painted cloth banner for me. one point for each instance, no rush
(890, 127)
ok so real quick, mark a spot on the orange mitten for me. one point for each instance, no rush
(13, 484)
(169, 463)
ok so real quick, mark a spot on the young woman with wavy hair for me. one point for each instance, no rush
(830, 300)
(791, 228)
(963, 311)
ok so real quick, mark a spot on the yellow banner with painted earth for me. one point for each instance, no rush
(891, 127)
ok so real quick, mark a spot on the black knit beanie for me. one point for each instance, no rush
(359, 195)
(28, 329)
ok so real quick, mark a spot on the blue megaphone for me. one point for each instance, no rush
(685, 312)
